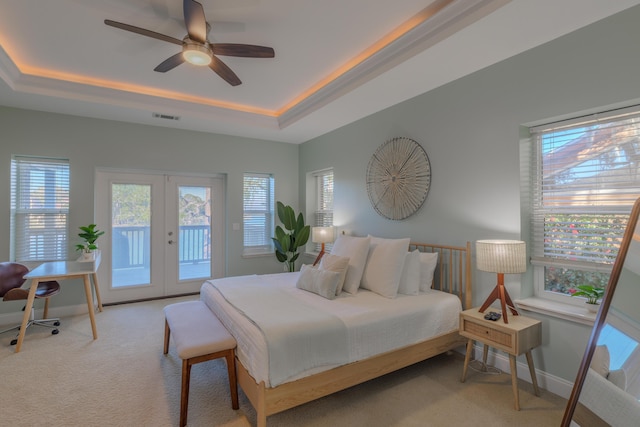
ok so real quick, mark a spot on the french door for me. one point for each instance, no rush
(165, 234)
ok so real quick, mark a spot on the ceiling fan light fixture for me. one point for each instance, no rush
(197, 54)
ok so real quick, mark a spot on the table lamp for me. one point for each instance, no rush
(502, 257)
(321, 235)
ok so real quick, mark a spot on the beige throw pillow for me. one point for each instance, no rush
(339, 264)
(321, 282)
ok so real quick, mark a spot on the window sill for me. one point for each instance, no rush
(256, 254)
(556, 309)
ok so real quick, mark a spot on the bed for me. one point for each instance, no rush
(381, 334)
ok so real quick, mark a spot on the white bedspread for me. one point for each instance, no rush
(298, 335)
(375, 324)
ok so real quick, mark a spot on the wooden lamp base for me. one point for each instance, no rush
(319, 257)
(500, 292)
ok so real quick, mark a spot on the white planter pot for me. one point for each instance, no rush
(592, 308)
(89, 256)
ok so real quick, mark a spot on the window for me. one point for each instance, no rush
(39, 209)
(585, 179)
(323, 213)
(258, 213)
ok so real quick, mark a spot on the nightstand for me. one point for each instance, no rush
(520, 335)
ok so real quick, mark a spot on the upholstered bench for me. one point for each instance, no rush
(199, 336)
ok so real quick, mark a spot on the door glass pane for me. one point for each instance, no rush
(194, 220)
(131, 237)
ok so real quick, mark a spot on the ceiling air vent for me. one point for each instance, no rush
(165, 116)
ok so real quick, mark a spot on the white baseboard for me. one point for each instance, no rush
(547, 381)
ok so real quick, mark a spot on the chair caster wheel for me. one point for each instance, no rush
(14, 342)
(56, 323)
(55, 332)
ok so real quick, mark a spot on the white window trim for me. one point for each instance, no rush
(545, 302)
(263, 250)
(560, 310)
(17, 210)
(313, 201)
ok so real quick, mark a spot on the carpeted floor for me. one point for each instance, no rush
(123, 379)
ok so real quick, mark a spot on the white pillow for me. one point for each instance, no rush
(321, 282)
(428, 264)
(356, 248)
(336, 263)
(384, 265)
(619, 378)
(600, 360)
(410, 278)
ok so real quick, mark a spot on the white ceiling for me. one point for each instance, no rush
(60, 56)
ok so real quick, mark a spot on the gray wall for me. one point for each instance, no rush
(470, 129)
(91, 143)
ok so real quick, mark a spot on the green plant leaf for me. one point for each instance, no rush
(277, 245)
(289, 218)
(280, 210)
(303, 236)
(282, 257)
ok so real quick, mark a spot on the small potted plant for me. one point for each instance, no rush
(89, 234)
(593, 295)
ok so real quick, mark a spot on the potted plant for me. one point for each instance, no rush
(296, 235)
(593, 294)
(89, 234)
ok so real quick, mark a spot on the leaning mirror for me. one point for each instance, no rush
(607, 387)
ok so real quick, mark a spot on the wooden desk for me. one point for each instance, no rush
(61, 270)
(520, 335)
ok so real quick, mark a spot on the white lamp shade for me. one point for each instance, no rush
(501, 256)
(322, 234)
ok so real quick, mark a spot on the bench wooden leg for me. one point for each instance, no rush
(184, 393)
(167, 333)
(233, 381)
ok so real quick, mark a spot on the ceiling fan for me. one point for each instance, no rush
(196, 49)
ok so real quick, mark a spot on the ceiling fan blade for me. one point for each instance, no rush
(195, 21)
(170, 63)
(242, 50)
(224, 71)
(143, 32)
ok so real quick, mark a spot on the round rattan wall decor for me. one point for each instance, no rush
(398, 178)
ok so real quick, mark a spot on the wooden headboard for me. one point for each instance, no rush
(453, 274)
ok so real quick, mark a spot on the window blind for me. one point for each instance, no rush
(586, 177)
(258, 213)
(324, 203)
(39, 208)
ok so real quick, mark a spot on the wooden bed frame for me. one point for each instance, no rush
(453, 275)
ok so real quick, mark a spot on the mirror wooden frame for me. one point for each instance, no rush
(600, 321)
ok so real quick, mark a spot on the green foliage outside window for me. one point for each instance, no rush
(580, 238)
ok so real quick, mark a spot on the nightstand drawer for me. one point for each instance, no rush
(488, 334)
(518, 336)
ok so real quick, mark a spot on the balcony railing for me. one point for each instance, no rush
(131, 245)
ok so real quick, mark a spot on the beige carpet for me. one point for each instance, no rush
(123, 379)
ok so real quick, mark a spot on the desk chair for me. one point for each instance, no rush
(11, 280)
